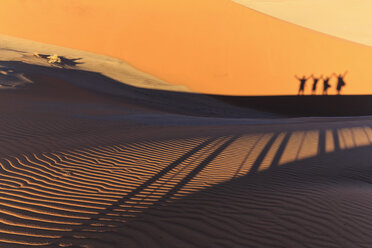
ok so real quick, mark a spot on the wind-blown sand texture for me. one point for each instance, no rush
(89, 161)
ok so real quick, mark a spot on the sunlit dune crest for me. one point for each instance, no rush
(346, 19)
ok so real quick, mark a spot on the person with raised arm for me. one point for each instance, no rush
(340, 82)
(301, 89)
(326, 84)
(315, 82)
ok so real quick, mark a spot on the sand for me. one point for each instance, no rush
(210, 46)
(91, 156)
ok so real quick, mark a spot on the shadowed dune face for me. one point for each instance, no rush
(79, 182)
(211, 46)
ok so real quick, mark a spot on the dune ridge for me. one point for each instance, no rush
(16, 49)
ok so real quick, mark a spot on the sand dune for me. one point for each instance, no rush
(210, 46)
(340, 18)
(89, 161)
(108, 66)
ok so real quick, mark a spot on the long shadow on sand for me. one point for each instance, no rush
(318, 200)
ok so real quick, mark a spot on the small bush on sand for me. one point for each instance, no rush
(54, 59)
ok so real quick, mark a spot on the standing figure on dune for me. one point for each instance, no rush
(340, 82)
(301, 90)
(326, 84)
(315, 82)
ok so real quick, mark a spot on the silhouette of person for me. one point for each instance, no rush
(315, 82)
(340, 82)
(326, 84)
(301, 90)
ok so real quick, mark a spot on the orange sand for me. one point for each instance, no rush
(212, 46)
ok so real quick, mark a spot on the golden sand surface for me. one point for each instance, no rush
(89, 161)
(210, 46)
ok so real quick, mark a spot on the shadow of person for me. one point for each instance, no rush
(303, 79)
(340, 82)
(227, 208)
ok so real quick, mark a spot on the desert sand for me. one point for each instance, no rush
(210, 46)
(95, 153)
(344, 19)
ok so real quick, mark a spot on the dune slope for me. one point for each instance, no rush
(211, 46)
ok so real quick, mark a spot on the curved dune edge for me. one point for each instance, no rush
(209, 46)
(343, 19)
(16, 49)
(23, 62)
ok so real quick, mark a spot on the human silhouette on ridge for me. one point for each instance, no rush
(340, 82)
(315, 82)
(326, 84)
(301, 90)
